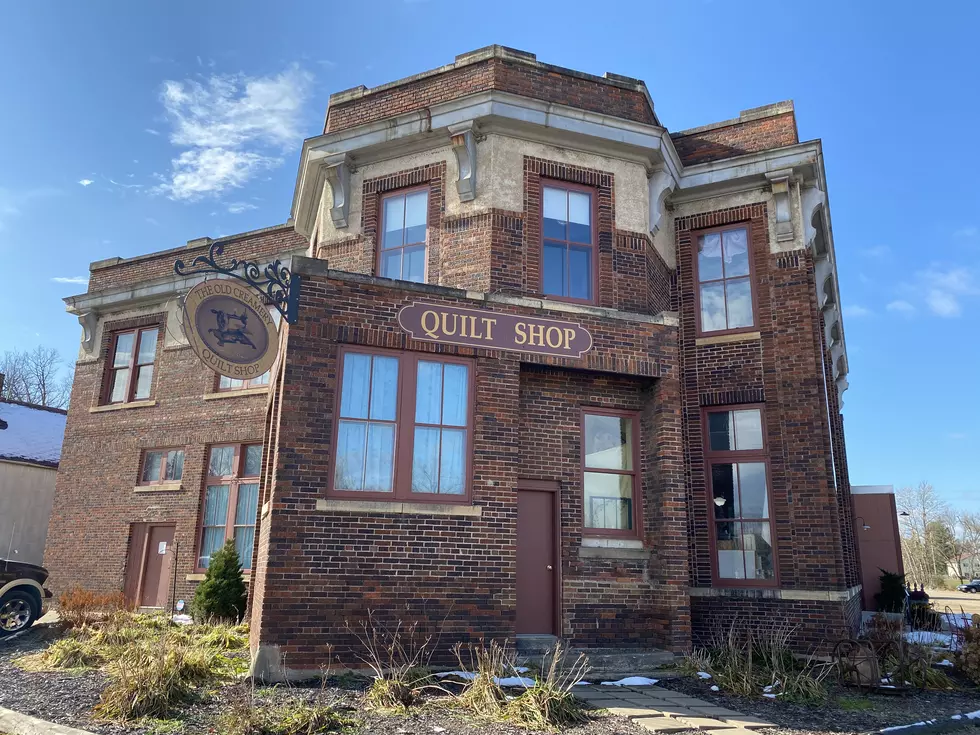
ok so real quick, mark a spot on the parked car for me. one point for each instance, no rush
(22, 595)
(971, 586)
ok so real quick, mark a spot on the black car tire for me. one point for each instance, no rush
(18, 611)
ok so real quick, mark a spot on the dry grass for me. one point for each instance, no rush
(78, 607)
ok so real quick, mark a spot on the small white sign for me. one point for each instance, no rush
(162, 548)
(180, 605)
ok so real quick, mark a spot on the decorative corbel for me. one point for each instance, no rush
(812, 202)
(784, 215)
(337, 169)
(662, 185)
(464, 146)
(88, 320)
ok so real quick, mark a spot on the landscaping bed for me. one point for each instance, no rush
(846, 710)
(69, 697)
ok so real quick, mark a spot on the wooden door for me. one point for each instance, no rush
(537, 563)
(157, 556)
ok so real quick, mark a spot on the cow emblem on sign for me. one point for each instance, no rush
(227, 334)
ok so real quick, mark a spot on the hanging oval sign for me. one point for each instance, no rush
(230, 329)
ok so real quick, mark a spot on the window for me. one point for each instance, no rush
(738, 482)
(226, 383)
(162, 465)
(231, 499)
(568, 256)
(403, 428)
(131, 371)
(404, 220)
(724, 280)
(609, 475)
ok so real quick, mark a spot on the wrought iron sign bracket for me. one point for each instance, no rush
(275, 282)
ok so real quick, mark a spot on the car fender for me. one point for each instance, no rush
(22, 583)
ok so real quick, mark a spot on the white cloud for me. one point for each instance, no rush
(946, 287)
(857, 311)
(86, 182)
(240, 207)
(234, 126)
(70, 279)
(126, 186)
(967, 232)
(151, 131)
(901, 307)
(327, 63)
(878, 251)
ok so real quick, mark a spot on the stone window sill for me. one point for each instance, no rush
(775, 593)
(613, 548)
(163, 487)
(122, 406)
(722, 339)
(247, 576)
(261, 390)
(399, 508)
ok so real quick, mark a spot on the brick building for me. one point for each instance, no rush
(556, 372)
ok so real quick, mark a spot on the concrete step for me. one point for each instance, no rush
(535, 645)
(622, 662)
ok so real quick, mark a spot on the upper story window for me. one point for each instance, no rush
(131, 369)
(231, 501)
(404, 223)
(404, 426)
(226, 383)
(724, 271)
(161, 466)
(568, 260)
(737, 459)
(609, 474)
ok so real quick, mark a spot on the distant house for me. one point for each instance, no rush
(967, 566)
(30, 449)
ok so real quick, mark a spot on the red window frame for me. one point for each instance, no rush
(133, 365)
(161, 480)
(233, 481)
(695, 237)
(593, 237)
(635, 474)
(379, 259)
(405, 428)
(733, 456)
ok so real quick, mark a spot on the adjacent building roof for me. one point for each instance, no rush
(30, 433)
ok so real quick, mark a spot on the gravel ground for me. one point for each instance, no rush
(841, 713)
(68, 699)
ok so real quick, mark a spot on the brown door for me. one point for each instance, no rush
(150, 557)
(537, 565)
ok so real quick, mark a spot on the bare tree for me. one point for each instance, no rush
(920, 539)
(39, 376)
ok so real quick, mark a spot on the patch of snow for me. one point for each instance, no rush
(183, 619)
(973, 715)
(956, 717)
(704, 675)
(631, 681)
(768, 688)
(32, 433)
(521, 669)
(929, 638)
(769, 696)
(715, 688)
(583, 683)
(945, 662)
(894, 728)
(466, 675)
(506, 681)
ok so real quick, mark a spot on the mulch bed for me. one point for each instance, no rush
(68, 699)
(834, 716)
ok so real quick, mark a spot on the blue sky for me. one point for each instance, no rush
(132, 127)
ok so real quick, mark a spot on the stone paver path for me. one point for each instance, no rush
(663, 711)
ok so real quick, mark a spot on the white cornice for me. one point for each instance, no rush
(495, 111)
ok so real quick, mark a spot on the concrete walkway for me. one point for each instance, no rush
(661, 710)
(17, 724)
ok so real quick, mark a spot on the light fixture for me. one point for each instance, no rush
(904, 514)
(719, 501)
(864, 525)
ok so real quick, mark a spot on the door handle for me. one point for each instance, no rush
(549, 567)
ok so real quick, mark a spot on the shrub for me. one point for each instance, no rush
(550, 702)
(483, 695)
(398, 656)
(222, 595)
(967, 659)
(892, 595)
(295, 717)
(146, 683)
(78, 607)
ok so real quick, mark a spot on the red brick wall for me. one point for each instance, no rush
(506, 76)
(737, 139)
(781, 369)
(455, 572)
(277, 240)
